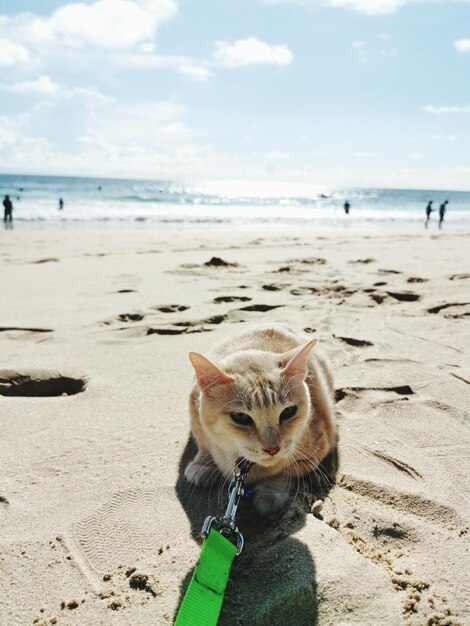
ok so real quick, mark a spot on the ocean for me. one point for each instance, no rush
(114, 203)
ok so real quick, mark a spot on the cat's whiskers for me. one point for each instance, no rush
(316, 466)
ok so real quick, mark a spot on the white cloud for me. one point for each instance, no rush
(183, 65)
(251, 51)
(12, 53)
(358, 44)
(462, 45)
(362, 154)
(41, 86)
(370, 7)
(277, 155)
(197, 72)
(111, 24)
(441, 137)
(106, 138)
(446, 109)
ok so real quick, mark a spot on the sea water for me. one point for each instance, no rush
(94, 202)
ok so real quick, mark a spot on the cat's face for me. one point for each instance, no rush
(258, 405)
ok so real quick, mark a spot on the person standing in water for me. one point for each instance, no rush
(429, 210)
(8, 209)
(347, 206)
(442, 212)
(61, 204)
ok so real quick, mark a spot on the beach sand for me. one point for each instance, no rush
(97, 525)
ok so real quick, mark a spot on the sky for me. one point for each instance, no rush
(331, 92)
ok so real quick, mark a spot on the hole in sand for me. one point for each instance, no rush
(39, 383)
(361, 343)
(262, 308)
(405, 296)
(231, 299)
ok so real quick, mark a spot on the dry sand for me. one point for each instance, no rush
(97, 525)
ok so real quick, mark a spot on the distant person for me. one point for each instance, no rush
(429, 210)
(347, 206)
(61, 204)
(8, 207)
(442, 212)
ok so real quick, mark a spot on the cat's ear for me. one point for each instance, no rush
(296, 361)
(208, 375)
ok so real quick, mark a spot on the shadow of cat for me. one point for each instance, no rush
(273, 581)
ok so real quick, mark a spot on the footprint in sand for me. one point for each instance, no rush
(359, 400)
(409, 503)
(130, 317)
(200, 326)
(232, 299)
(26, 329)
(312, 260)
(47, 260)
(351, 341)
(216, 261)
(416, 279)
(39, 383)
(378, 298)
(274, 287)
(261, 308)
(459, 276)
(188, 327)
(304, 291)
(170, 308)
(404, 296)
(455, 311)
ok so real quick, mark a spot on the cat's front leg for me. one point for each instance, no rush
(201, 470)
(271, 495)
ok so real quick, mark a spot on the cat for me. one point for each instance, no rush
(268, 398)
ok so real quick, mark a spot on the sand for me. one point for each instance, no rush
(97, 525)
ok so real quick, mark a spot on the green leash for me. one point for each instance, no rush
(203, 600)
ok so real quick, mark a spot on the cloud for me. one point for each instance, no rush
(109, 24)
(251, 51)
(197, 72)
(277, 155)
(104, 138)
(446, 109)
(462, 45)
(12, 53)
(41, 86)
(441, 137)
(183, 65)
(362, 154)
(370, 7)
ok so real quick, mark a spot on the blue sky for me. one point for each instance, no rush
(330, 92)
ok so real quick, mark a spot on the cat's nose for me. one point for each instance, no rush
(272, 451)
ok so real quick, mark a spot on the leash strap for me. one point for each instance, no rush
(203, 599)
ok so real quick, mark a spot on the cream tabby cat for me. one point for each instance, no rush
(267, 398)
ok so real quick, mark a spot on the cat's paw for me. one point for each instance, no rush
(198, 474)
(269, 499)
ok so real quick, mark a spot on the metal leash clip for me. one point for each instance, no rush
(225, 525)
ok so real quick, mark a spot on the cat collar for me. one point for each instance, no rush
(223, 542)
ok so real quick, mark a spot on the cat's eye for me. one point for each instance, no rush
(242, 419)
(287, 413)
